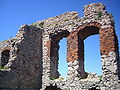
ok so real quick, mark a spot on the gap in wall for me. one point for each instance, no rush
(62, 66)
(92, 55)
(5, 57)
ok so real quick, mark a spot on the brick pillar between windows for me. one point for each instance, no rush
(75, 55)
(72, 47)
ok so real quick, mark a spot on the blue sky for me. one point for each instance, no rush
(14, 13)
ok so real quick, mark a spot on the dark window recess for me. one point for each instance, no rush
(94, 88)
(52, 88)
(5, 57)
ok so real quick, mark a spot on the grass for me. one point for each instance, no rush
(67, 89)
(51, 78)
(38, 24)
(3, 67)
(66, 19)
(100, 78)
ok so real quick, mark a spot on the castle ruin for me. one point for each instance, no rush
(30, 60)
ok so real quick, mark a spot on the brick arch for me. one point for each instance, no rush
(108, 44)
(77, 37)
(54, 55)
(75, 49)
(106, 34)
(75, 41)
(82, 35)
(88, 31)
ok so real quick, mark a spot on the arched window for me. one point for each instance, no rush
(55, 54)
(88, 58)
(5, 57)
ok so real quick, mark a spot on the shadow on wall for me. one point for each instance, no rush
(52, 88)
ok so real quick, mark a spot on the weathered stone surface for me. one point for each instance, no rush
(24, 69)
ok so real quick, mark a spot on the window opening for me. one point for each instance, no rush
(62, 66)
(92, 55)
(5, 57)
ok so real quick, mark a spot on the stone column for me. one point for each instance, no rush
(46, 60)
(72, 47)
(109, 53)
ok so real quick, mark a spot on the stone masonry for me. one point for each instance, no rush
(29, 61)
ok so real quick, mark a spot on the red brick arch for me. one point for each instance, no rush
(76, 38)
(108, 42)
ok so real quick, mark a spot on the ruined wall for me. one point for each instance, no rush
(96, 20)
(34, 53)
(24, 70)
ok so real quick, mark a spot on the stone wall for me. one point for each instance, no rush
(24, 70)
(96, 20)
(33, 61)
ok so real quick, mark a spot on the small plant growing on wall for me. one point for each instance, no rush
(66, 19)
(38, 24)
(99, 14)
(100, 78)
(51, 78)
(3, 67)
(41, 24)
(67, 89)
